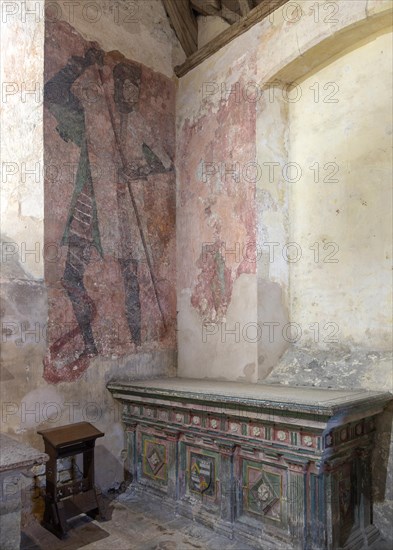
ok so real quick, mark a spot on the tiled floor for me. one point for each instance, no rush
(136, 524)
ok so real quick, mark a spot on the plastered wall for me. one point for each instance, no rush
(140, 29)
(22, 196)
(209, 27)
(340, 208)
(215, 221)
(255, 83)
(276, 328)
(31, 397)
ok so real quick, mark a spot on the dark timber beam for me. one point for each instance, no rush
(245, 7)
(206, 7)
(255, 16)
(232, 5)
(229, 15)
(184, 24)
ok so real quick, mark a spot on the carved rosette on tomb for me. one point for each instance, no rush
(263, 491)
(288, 467)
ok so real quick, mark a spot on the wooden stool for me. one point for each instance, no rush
(75, 497)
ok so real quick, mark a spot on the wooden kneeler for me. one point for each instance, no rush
(67, 500)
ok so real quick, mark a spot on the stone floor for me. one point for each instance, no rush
(136, 523)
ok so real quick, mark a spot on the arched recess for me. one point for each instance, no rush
(340, 202)
(311, 132)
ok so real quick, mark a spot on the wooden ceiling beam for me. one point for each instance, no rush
(245, 7)
(232, 5)
(206, 7)
(184, 24)
(255, 16)
(229, 15)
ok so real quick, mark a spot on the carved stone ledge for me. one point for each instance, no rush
(17, 460)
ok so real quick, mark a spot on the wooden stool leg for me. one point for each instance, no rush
(88, 473)
(62, 522)
(88, 466)
(54, 515)
(55, 518)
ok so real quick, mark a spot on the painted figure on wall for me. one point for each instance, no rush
(128, 153)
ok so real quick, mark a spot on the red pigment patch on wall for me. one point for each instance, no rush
(213, 290)
(109, 130)
(217, 211)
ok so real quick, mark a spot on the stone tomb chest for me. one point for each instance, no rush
(278, 466)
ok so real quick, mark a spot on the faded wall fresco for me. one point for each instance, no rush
(219, 202)
(216, 219)
(109, 205)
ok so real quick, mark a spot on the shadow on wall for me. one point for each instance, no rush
(109, 470)
(383, 448)
(382, 474)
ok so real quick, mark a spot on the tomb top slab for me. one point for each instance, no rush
(300, 399)
(15, 455)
